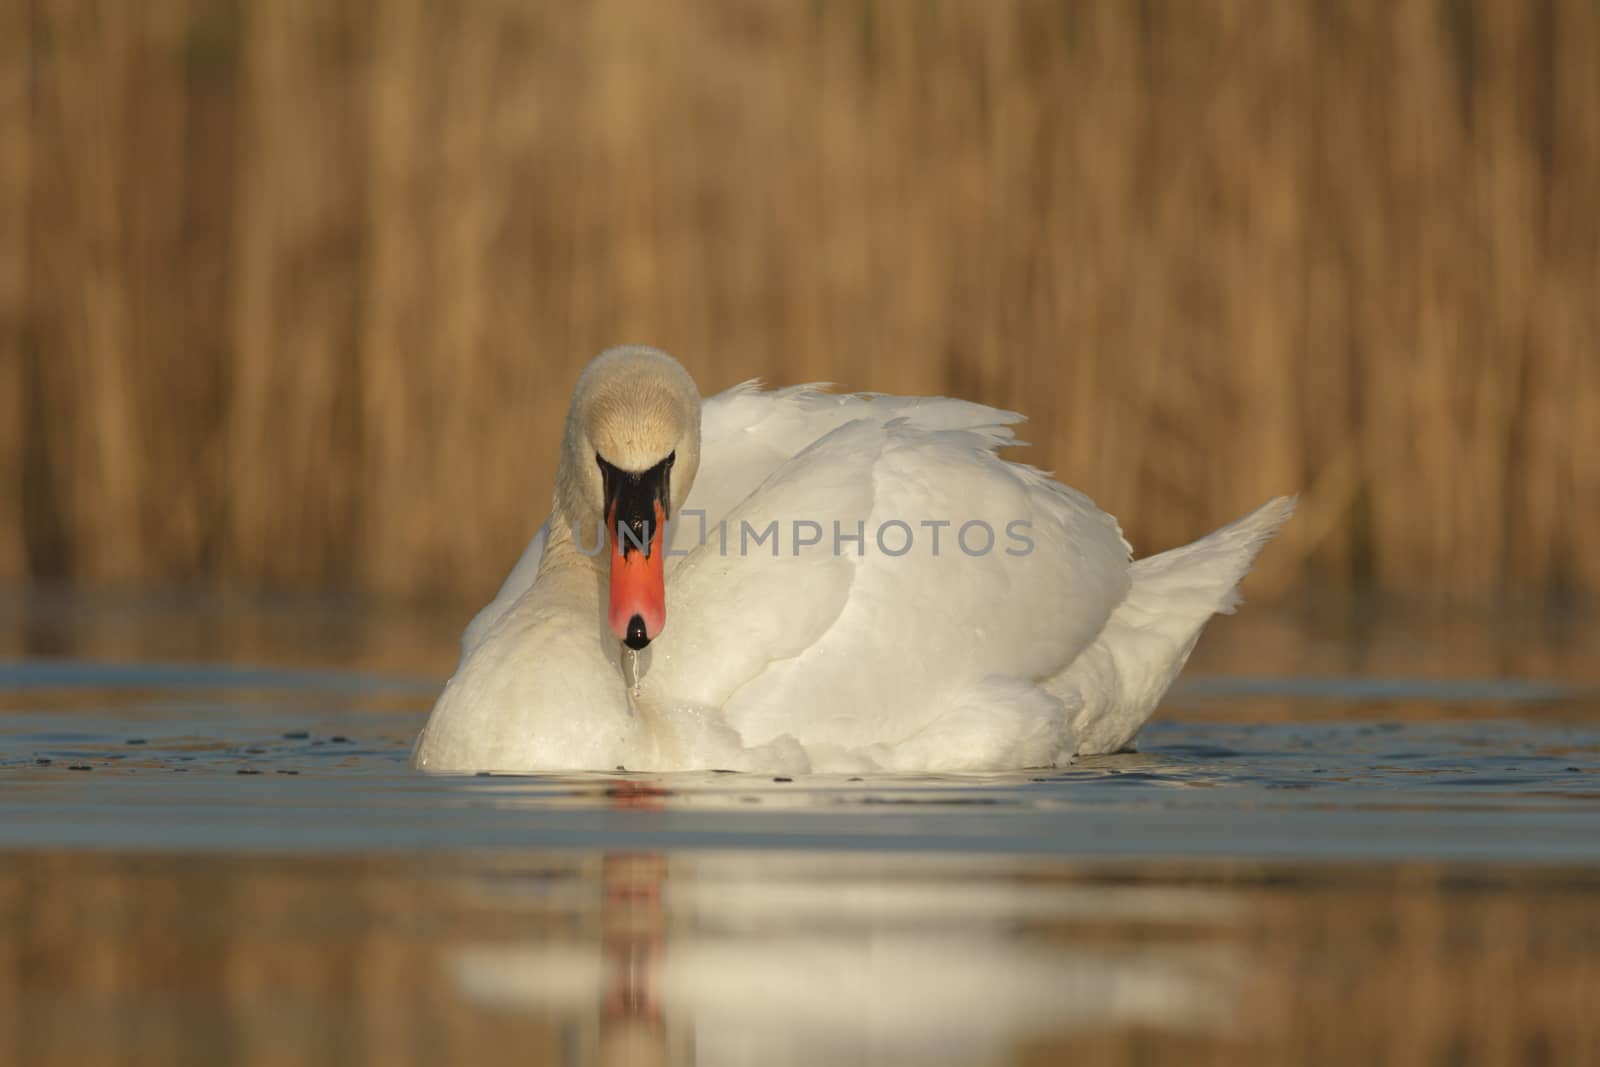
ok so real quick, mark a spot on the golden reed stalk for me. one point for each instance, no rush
(292, 293)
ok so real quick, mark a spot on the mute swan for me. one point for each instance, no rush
(842, 583)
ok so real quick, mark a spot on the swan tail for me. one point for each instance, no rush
(1114, 686)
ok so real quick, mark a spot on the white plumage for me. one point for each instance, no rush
(1029, 639)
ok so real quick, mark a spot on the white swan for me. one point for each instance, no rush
(849, 583)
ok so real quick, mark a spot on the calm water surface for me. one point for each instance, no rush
(214, 852)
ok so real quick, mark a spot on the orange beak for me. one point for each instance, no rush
(638, 582)
(636, 519)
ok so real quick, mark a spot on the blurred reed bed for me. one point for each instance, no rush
(292, 294)
(146, 957)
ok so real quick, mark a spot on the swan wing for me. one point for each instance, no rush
(748, 433)
(859, 645)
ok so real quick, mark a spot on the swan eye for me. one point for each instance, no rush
(609, 476)
(672, 457)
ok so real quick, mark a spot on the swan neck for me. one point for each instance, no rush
(563, 549)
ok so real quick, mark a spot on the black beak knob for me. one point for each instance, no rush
(637, 638)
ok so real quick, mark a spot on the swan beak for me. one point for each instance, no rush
(635, 521)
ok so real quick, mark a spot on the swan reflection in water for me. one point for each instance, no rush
(806, 958)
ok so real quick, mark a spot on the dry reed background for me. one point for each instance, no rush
(292, 293)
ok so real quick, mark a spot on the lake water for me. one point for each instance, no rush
(1349, 831)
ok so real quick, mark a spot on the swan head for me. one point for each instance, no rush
(629, 456)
